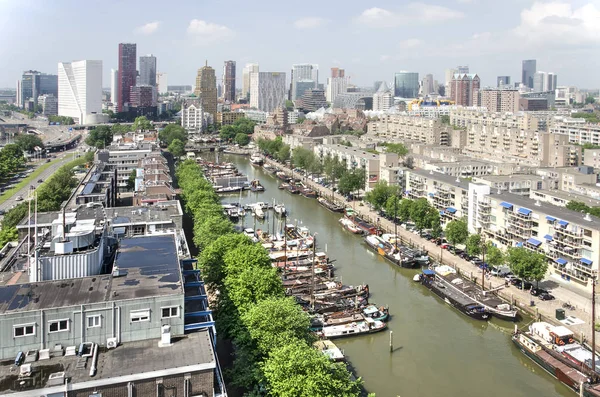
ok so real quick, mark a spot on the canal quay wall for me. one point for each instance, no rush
(546, 311)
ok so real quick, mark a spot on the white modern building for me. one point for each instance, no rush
(148, 70)
(161, 82)
(303, 71)
(335, 86)
(80, 89)
(114, 85)
(267, 90)
(383, 99)
(49, 104)
(248, 69)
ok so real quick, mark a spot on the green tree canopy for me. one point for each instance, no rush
(171, 132)
(405, 210)
(100, 137)
(283, 154)
(11, 159)
(210, 229)
(526, 264)
(211, 260)
(352, 181)
(142, 124)
(177, 147)
(420, 214)
(397, 148)
(457, 231)
(28, 142)
(474, 245)
(379, 195)
(493, 255)
(131, 180)
(241, 139)
(298, 370)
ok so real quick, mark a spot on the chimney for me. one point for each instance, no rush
(165, 336)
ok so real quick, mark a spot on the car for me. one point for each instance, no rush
(19, 198)
(510, 278)
(525, 285)
(537, 291)
(545, 296)
(2, 212)
(500, 271)
(476, 261)
(40, 180)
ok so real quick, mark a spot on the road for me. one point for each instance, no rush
(64, 157)
(563, 293)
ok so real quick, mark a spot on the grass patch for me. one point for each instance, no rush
(11, 192)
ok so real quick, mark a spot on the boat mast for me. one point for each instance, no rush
(396, 227)
(312, 284)
(483, 265)
(594, 324)
(284, 246)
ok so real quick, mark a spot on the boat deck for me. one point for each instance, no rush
(562, 369)
(474, 291)
(453, 294)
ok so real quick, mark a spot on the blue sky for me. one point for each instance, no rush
(371, 40)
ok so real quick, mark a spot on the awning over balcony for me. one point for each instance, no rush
(548, 237)
(563, 223)
(451, 210)
(586, 261)
(524, 211)
(431, 194)
(561, 261)
(519, 245)
(506, 205)
(550, 218)
(534, 242)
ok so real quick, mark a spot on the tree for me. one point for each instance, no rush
(275, 322)
(8, 234)
(289, 105)
(28, 142)
(211, 259)
(379, 195)
(445, 119)
(457, 232)
(590, 100)
(577, 206)
(526, 264)
(100, 136)
(299, 370)
(120, 129)
(228, 133)
(284, 153)
(210, 229)
(405, 210)
(474, 245)
(131, 180)
(142, 124)
(419, 214)
(252, 285)
(392, 206)
(177, 147)
(493, 255)
(171, 132)
(241, 139)
(397, 148)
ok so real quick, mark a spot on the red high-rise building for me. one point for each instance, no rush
(127, 74)
(337, 72)
(464, 89)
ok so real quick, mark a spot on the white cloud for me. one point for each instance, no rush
(413, 13)
(148, 28)
(410, 43)
(558, 23)
(208, 33)
(309, 23)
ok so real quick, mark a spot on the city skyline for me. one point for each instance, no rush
(560, 36)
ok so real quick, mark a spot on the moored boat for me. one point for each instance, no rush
(331, 206)
(255, 186)
(256, 159)
(368, 326)
(350, 226)
(308, 193)
(279, 209)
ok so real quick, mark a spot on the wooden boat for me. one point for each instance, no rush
(292, 189)
(350, 226)
(282, 175)
(368, 326)
(331, 206)
(308, 193)
(256, 159)
(389, 251)
(255, 186)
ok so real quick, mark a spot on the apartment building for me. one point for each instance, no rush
(124, 158)
(499, 100)
(228, 118)
(521, 184)
(410, 128)
(561, 198)
(578, 130)
(464, 89)
(466, 116)
(192, 116)
(591, 158)
(464, 168)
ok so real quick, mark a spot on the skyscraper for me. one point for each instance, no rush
(127, 73)
(464, 89)
(268, 90)
(148, 70)
(406, 84)
(336, 85)
(337, 72)
(502, 81)
(248, 69)
(540, 81)
(428, 86)
(229, 81)
(161, 82)
(206, 89)
(383, 99)
(303, 72)
(114, 86)
(80, 89)
(34, 84)
(552, 82)
(528, 70)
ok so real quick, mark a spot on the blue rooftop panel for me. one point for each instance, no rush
(548, 237)
(506, 205)
(563, 223)
(550, 218)
(524, 211)
(451, 210)
(534, 242)
(561, 261)
(586, 261)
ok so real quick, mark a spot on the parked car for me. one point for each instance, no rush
(19, 198)
(545, 296)
(525, 285)
(40, 180)
(500, 271)
(476, 261)
(538, 291)
(2, 212)
(510, 278)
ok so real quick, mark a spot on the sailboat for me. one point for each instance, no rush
(279, 209)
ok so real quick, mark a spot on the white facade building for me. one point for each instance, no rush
(114, 85)
(335, 86)
(383, 99)
(192, 117)
(161, 82)
(248, 69)
(148, 70)
(267, 90)
(80, 89)
(49, 104)
(304, 71)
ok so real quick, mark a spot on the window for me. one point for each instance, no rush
(58, 326)
(140, 315)
(168, 312)
(94, 321)
(23, 330)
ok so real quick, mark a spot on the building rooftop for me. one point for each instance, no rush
(549, 209)
(512, 177)
(149, 266)
(450, 180)
(160, 213)
(194, 352)
(571, 196)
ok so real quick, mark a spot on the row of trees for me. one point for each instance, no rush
(239, 132)
(63, 120)
(51, 195)
(102, 135)
(582, 207)
(270, 332)
(275, 148)
(11, 160)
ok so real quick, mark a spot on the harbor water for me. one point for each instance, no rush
(437, 351)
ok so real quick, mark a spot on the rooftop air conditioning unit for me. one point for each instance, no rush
(111, 343)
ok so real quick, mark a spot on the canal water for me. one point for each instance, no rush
(437, 350)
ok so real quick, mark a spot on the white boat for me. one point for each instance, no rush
(367, 326)
(249, 232)
(258, 212)
(256, 159)
(349, 225)
(279, 209)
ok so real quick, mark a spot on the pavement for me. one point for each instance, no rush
(64, 157)
(578, 320)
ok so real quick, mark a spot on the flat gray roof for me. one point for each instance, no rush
(150, 265)
(162, 212)
(448, 179)
(571, 196)
(133, 358)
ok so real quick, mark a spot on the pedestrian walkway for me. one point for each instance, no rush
(579, 320)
